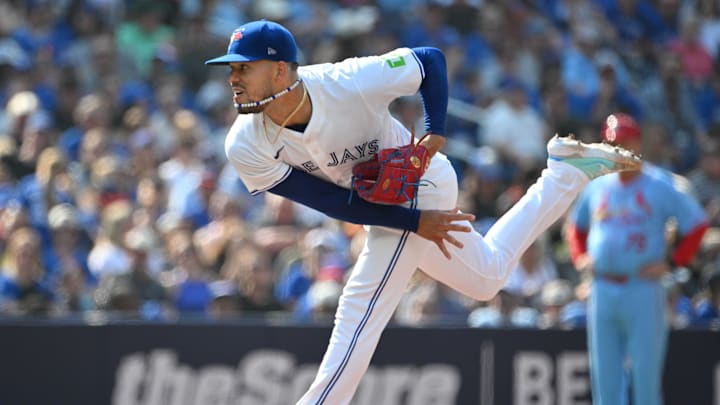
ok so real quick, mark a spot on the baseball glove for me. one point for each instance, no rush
(392, 175)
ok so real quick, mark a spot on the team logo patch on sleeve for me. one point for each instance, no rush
(394, 60)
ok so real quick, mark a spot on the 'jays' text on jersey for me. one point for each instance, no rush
(350, 122)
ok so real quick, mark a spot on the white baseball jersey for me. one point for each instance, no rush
(350, 122)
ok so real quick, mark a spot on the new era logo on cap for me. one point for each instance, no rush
(271, 51)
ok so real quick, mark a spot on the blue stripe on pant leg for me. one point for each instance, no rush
(363, 322)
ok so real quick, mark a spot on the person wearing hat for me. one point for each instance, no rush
(616, 233)
(302, 129)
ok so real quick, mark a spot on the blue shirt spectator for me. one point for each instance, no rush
(707, 101)
(636, 21)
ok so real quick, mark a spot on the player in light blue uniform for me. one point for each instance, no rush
(617, 231)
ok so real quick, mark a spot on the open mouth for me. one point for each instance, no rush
(237, 95)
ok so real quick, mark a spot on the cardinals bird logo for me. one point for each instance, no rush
(612, 123)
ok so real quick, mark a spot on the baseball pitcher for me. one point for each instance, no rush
(323, 136)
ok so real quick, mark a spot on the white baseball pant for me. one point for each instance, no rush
(390, 257)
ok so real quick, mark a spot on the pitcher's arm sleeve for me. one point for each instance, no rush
(333, 201)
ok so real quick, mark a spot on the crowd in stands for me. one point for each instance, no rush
(115, 195)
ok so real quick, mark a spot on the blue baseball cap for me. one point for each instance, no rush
(259, 40)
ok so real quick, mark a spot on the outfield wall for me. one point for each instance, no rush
(219, 364)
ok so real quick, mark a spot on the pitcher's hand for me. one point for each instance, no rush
(436, 226)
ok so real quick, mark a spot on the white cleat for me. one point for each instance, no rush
(593, 159)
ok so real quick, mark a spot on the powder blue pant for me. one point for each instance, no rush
(627, 322)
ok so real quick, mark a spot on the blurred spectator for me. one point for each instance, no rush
(183, 175)
(709, 13)
(580, 77)
(42, 32)
(168, 225)
(69, 246)
(139, 37)
(20, 106)
(225, 302)
(511, 63)
(117, 296)
(150, 198)
(637, 20)
(74, 294)
(535, 269)
(8, 181)
(318, 248)
(91, 112)
(563, 13)
(213, 239)
(257, 282)
(502, 311)
(109, 255)
(668, 99)
(680, 311)
(409, 111)
(165, 118)
(514, 129)
(222, 16)
(322, 300)
(280, 225)
(429, 303)
(140, 242)
(482, 185)
(109, 177)
(708, 259)
(462, 15)
(574, 313)
(22, 289)
(612, 95)
(708, 309)
(696, 62)
(707, 102)
(592, 72)
(429, 29)
(656, 147)
(94, 145)
(12, 217)
(251, 270)
(49, 185)
(705, 180)
(187, 282)
(38, 134)
(554, 296)
(142, 153)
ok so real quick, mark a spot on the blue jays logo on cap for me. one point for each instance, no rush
(259, 40)
(236, 36)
